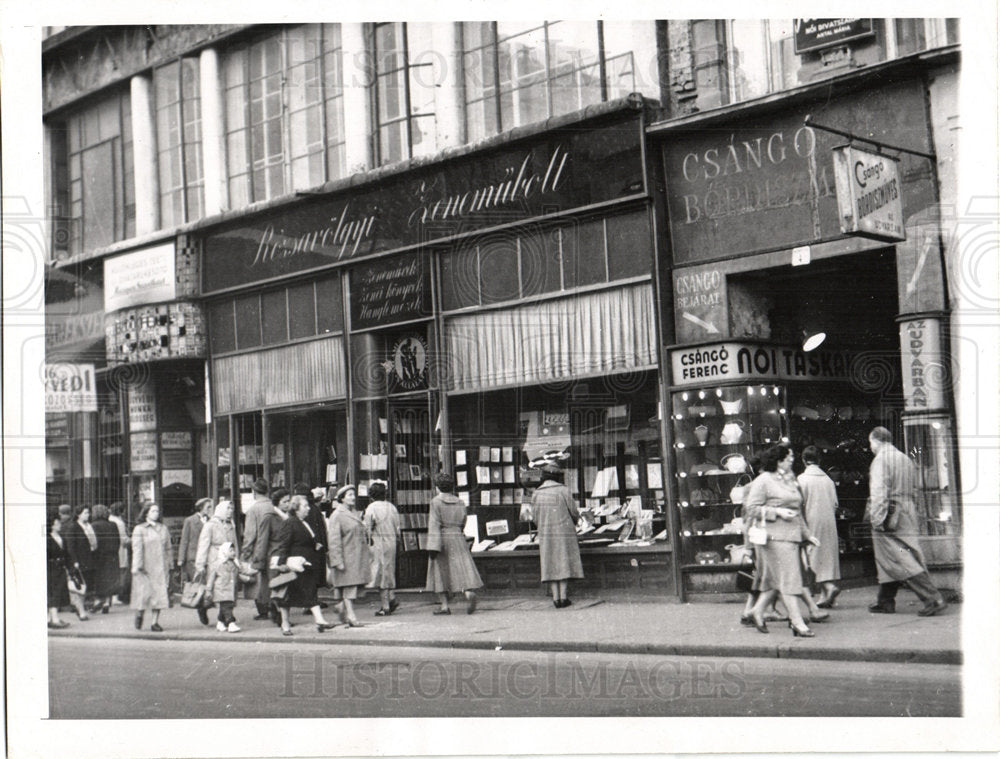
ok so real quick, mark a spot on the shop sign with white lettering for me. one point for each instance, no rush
(145, 276)
(818, 33)
(175, 441)
(868, 193)
(925, 374)
(721, 362)
(70, 387)
(141, 409)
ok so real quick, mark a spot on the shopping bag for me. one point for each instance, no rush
(193, 594)
(757, 533)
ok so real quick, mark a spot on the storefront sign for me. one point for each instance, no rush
(721, 362)
(749, 189)
(524, 180)
(699, 303)
(817, 33)
(409, 364)
(387, 292)
(142, 451)
(175, 441)
(70, 387)
(141, 409)
(177, 477)
(868, 193)
(924, 371)
(56, 426)
(175, 459)
(145, 276)
(153, 333)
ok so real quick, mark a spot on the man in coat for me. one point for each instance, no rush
(255, 517)
(895, 532)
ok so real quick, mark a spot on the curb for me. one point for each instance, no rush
(779, 651)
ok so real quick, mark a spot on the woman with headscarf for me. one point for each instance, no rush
(151, 562)
(558, 548)
(81, 542)
(450, 568)
(55, 564)
(349, 557)
(299, 548)
(106, 568)
(216, 531)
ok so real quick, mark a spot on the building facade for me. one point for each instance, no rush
(330, 253)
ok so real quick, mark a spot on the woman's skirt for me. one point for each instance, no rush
(782, 569)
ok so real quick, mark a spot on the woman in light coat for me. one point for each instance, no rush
(382, 521)
(558, 549)
(217, 530)
(151, 562)
(450, 567)
(819, 496)
(349, 557)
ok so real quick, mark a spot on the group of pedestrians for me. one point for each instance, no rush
(791, 523)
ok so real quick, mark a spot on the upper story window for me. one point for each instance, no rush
(518, 73)
(93, 186)
(178, 142)
(403, 91)
(284, 113)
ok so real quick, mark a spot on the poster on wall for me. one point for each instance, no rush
(178, 441)
(142, 451)
(70, 387)
(141, 409)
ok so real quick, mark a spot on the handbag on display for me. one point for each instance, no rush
(708, 557)
(193, 594)
(757, 533)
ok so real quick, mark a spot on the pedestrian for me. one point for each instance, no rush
(81, 542)
(106, 569)
(819, 495)
(115, 517)
(892, 512)
(556, 515)
(221, 588)
(317, 522)
(187, 551)
(55, 565)
(216, 531)
(382, 521)
(349, 557)
(151, 562)
(450, 567)
(298, 550)
(774, 498)
(256, 515)
(267, 546)
(65, 516)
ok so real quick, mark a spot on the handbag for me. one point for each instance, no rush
(75, 583)
(757, 533)
(744, 578)
(193, 594)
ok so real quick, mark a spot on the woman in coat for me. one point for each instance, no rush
(81, 542)
(151, 562)
(774, 497)
(382, 521)
(55, 565)
(105, 559)
(558, 549)
(450, 567)
(299, 548)
(349, 557)
(819, 496)
(217, 530)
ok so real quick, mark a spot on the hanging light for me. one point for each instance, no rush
(812, 339)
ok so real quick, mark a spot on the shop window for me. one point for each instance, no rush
(248, 321)
(93, 186)
(540, 262)
(630, 251)
(460, 278)
(284, 113)
(307, 446)
(761, 57)
(584, 261)
(177, 96)
(329, 306)
(248, 458)
(222, 326)
(929, 444)
(274, 316)
(301, 310)
(498, 269)
(403, 91)
(518, 73)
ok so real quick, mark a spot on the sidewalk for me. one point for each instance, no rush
(609, 623)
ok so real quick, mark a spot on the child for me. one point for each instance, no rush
(221, 588)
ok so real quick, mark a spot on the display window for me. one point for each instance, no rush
(928, 443)
(306, 446)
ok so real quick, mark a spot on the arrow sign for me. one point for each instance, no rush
(911, 286)
(707, 326)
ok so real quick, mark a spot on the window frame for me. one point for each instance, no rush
(183, 146)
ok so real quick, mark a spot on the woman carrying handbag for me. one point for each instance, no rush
(558, 549)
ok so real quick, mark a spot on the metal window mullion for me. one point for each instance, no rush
(765, 31)
(406, 91)
(248, 123)
(495, 50)
(377, 132)
(321, 66)
(284, 117)
(180, 138)
(602, 63)
(548, 70)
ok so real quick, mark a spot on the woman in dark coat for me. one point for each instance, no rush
(105, 559)
(81, 542)
(450, 567)
(558, 549)
(299, 548)
(55, 556)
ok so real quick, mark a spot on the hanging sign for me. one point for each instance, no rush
(70, 387)
(869, 195)
(719, 362)
(818, 33)
(924, 371)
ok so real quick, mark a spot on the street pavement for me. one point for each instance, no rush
(613, 623)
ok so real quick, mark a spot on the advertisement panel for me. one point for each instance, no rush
(70, 387)
(868, 193)
(143, 276)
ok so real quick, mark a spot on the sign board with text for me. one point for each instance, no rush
(142, 452)
(748, 362)
(818, 33)
(869, 196)
(144, 276)
(925, 373)
(70, 387)
(141, 409)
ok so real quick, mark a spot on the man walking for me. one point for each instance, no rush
(895, 533)
(255, 517)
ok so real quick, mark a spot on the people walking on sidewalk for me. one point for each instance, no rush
(774, 497)
(221, 588)
(105, 559)
(187, 552)
(151, 562)
(556, 515)
(819, 495)
(256, 515)
(57, 591)
(81, 543)
(349, 557)
(117, 510)
(266, 549)
(216, 531)
(298, 550)
(382, 521)
(892, 512)
(317, 522)
(450, 568)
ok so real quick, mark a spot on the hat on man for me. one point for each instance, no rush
(260, 486)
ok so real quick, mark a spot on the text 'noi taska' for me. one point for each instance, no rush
(344, 234)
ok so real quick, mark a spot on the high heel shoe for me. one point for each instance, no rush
(804, 632)
(324, 626)
(759, 623)
(819, 617)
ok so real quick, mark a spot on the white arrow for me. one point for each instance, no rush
(709, 327)
(911, 286)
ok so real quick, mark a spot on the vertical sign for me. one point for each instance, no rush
(924, 371)
(868, 193)
(141, 409)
